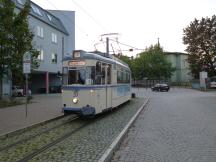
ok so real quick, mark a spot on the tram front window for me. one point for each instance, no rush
(77, 76)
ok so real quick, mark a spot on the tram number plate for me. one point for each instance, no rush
(76, 63)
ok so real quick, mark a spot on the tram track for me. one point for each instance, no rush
(40, 140)
(35, 135)
(60, 139)
(78, 140)
(90, 143)
(17, 135)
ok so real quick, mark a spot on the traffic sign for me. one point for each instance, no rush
(26, 67)
(27, 63)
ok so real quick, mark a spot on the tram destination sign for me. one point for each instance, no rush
(76, 63)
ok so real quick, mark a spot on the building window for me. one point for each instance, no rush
(40, 31)
(36, 10)
(54, 58)
(54, 38)
(49, 17)
(41, 55)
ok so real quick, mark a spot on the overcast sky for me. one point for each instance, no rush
(139, 22)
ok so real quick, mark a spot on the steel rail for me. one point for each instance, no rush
(60, 139)
(37, 134)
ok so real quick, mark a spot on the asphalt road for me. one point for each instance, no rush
(179, 125)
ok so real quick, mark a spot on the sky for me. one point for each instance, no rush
(139, 23)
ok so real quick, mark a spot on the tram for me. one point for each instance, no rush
(94, 82)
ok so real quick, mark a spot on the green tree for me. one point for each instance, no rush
(6, 37)
(22, 43)
(153, 64)
(15, 40)
(126, 59)
(129, 61)
(200, 38)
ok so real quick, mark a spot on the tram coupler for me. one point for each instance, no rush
(88, 111)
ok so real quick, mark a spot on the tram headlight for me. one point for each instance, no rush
(75, 100)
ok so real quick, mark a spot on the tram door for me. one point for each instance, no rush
(104, 95)
(108, 87)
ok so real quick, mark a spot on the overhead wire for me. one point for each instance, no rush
(81, 30)
(135, 48)
(99, 24)
(119, 46)
(113, 49)
(88, 14)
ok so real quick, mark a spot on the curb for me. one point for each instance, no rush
(107, 156)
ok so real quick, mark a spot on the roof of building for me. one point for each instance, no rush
(43, 15)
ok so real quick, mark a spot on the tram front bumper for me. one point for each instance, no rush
(85, 111)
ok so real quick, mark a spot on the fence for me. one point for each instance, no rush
(150, 83)
(147, 83)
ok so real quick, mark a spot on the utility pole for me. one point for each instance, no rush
(158, 42)
(108, 35)
(107, 45)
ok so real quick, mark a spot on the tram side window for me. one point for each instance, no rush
(123, 76)
(103, 73)
(127, 77)
(98, 73)
(118, 76)
(109, 74)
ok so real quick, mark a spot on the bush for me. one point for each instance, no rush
(11, 102)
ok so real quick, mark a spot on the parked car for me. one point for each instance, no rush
(161, 87)
(213, 84)
(29, 92)
(17, 91)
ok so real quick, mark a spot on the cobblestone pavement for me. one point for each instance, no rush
(87, 144)
(178, 126)
(90, 143)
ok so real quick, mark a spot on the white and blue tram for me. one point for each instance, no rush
(94, 82)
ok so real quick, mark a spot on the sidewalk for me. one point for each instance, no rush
(43, 107)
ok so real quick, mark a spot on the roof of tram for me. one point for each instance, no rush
(97, 56)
